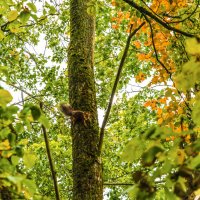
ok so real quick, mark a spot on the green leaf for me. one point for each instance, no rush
(35, 112)
(52, 10)
(12, 15)
(19, 151)
(30, 186)
(4, 133)
(32, 7)
(150, 133)
(29, 160)
(12, 109)
(24, 16)
(44, 121)
(15, 160)
(5, 165)
(195, 162)
(5, 97)
(12, 139)
(129, 153)
(19, 128)
(34, 17)
(3, 69)
(23, 142)
(2, 36)
(196, 113)
(170, 194)
(16, 179)
(149, 157)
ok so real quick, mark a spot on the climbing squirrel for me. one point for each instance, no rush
(76, 115)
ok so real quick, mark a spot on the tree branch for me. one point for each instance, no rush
(52, 168)
(115, 86)
(21, 89)
(151, 15)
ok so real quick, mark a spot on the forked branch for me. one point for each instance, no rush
(115, 86)
(144, 11)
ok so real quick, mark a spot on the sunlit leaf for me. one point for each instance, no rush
(192, 46)
(5, 145)
(16, 179)
(130, 154)
(5, 97)
(1, 35)
(30, 186)
(15, 160)
(32, 7)
(4, 133)
(12, 15)
(29, 160)
(44, 121)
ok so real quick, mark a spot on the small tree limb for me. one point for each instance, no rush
(115, 86)
(52, 168)
(144, 11)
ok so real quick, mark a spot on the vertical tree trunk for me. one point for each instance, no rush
(87, 172)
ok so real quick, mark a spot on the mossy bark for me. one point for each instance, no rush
(87, 171)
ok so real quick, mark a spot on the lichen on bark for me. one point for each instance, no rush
(87, 170)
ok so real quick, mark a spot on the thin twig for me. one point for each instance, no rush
(115, 86)
(20, 89)
(52, 168)
(22, 96)
(120, 184)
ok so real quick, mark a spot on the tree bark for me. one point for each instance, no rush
(87, 170)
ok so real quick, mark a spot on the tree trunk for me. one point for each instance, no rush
(87, 171)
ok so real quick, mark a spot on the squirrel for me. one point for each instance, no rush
(76, 115)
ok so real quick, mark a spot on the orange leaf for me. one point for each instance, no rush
(137, 44)
(140, 77)
(159, 111)
(127, 16)
(120, 14)
(113, 3)
(163, 100)
(148, 103)
(115, 26)
(188, 138)
(141, 56)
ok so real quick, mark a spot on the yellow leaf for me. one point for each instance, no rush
(180, 156)
(12, 15)
(180, 110)
(5, 145)
(192, 46)
(5, 97)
